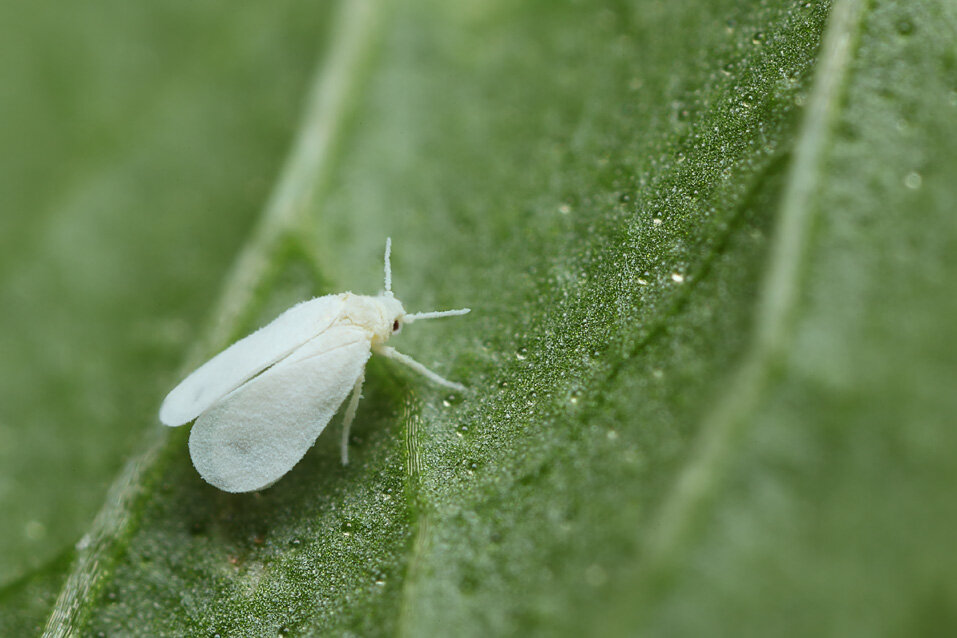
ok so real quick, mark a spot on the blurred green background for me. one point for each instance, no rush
(709, 248)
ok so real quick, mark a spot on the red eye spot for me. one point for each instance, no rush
(396, 326)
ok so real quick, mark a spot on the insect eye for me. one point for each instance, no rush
(396, 326)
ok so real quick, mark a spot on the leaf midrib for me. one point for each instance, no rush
(775, 310)
(304, 173)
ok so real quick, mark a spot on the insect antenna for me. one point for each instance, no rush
(435, 314)
(388, 266)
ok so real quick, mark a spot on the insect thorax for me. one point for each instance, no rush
(375, 314)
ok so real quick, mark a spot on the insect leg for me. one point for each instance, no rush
(392, 353)
(350, 415)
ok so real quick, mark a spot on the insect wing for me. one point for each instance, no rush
(247, 357)
(262, 429)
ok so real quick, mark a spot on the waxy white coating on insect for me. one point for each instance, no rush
(261, 403)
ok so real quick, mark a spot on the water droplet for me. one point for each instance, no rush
(595, 575)
(84, 542)
(905, 26)
(642, 282)
(522, 354)
(35, 530)
(913, 180)
(656, 221)
(564, 209)
(677, 277)
(612, 435)
(758, 38)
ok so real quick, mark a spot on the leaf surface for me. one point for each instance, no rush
(708, 247)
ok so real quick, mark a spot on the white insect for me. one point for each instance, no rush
(261, 403)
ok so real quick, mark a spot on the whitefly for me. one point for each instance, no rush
(261, 403)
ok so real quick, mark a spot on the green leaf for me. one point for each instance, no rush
(708, 247)
(133, 165)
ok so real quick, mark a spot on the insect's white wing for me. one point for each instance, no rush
(257, 433)
(247, 357)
